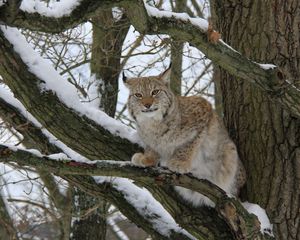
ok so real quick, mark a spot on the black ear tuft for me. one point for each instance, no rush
(166, 75)
(124, 78)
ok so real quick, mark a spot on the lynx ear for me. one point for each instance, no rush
(124, 78)
(166, 75)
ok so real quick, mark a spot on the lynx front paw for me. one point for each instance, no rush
(140, 159)
(179, 166)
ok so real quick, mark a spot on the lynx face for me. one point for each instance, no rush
(149, 97)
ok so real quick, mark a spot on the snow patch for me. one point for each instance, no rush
(292, 85)
(228, 46)
(59, 156)
(50, 9)
(198, 22)
(265, 226)
(146, 205)
(266, 66)
(112, 220)
(15, 149)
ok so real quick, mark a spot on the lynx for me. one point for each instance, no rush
(183, 134)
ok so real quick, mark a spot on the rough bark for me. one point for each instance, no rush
(176, 72)
(285, 131)
(108, 36)
(158, 181)
(88, 224)
(217, 91)
(77, 132)
(268, 137)
(12, 16)
(34, 138)
(176, 54)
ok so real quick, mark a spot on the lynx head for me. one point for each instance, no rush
(149, 97)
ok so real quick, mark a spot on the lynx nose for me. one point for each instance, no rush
(147, 105)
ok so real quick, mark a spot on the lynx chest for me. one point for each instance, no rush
(157, 136)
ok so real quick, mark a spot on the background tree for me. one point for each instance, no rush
(87, 134)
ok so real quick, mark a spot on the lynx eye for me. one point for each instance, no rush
(138, 95)
(155, 92)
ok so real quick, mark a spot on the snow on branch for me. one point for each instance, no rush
(57, 17)
(184, 17)
(149, 20)
(52, 9)
(8, 97)
(230, 209)
(267, 77)
(66, 92)
(50, 99)
(146, 210)
(146, 205)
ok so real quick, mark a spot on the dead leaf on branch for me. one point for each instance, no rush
(212, 35)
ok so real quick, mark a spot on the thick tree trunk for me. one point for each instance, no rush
(268, 138)
(176, 54)
(105, 67)
(91, 219)
(108, 37)
(218, 93)
(176, 73)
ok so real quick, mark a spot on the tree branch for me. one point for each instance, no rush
(271, 80)
(105, 190)
(76, 131)
(11, 10)
(182, 28)
(33, 136)
(38, 22)
(108, 191)
(242, 224)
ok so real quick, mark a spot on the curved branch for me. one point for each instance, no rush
(242, 224)
(107, 190)
(37, 22)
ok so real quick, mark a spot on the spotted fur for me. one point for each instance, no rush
(183, 134)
